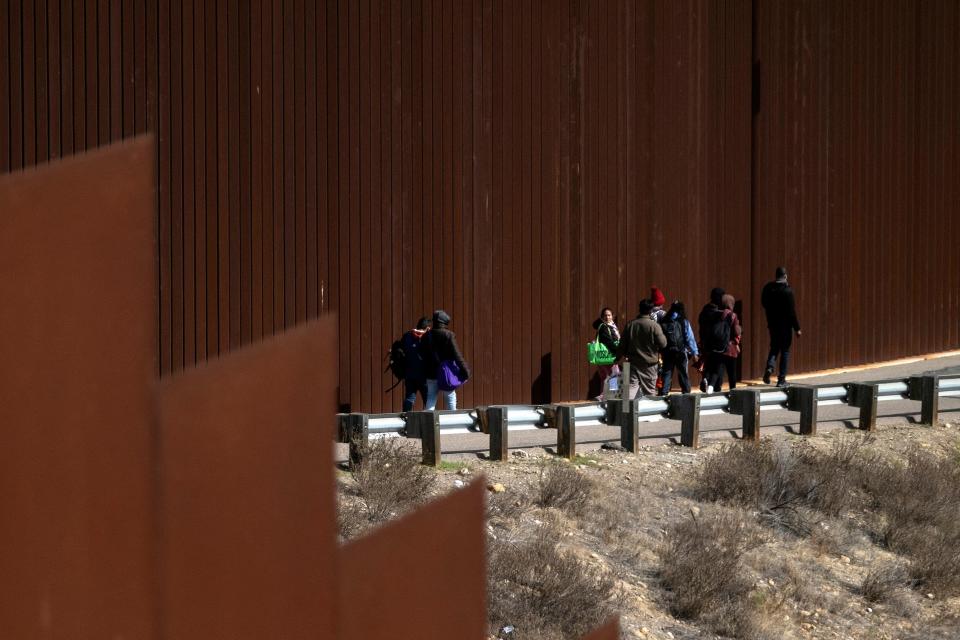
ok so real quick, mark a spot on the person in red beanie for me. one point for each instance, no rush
(658, 300)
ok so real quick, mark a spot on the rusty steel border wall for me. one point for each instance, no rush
(519, 164)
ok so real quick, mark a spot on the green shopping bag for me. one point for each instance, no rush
(598, 353)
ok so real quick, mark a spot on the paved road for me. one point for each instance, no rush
(727, 426)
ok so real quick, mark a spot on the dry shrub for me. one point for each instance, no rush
(565, 487)
(882, 581)
(789, 487)
(701, 565)
(543, 591)
(761, 477)
(919, 500)
(388, 481)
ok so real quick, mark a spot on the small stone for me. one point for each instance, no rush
(595, 556)
(669, 635)
(496, 487)
(844, 559)
(520, 453)
(644, 630)
(459, 484)
(805, 614)
(771, 582)
(695, 511)
(464, 471)
(930, 595)
(612, 446)
(806, 626)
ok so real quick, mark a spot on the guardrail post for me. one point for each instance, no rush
(926, 389)
(358, 436)
(628, 425)
(343, 428)
(499, 432)
(566, 432)
(686, 408)
(426, 426)
(864, 396)
(803, 398)
(746, 403)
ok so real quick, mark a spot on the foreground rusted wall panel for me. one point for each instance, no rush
(520, 164)
(78, 285)
(248, 530)
(432, 588)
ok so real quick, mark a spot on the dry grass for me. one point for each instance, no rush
(388, 482)
(544, 591)
(918, 500)
(564, 487)
(882, 581)
(701, 565)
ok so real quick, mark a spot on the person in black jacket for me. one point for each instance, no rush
(440, 345)
(778, 302)
(414, 376)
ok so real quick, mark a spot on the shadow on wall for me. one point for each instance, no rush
(540, 389)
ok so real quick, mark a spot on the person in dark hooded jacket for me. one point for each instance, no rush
(716, 333)
(440, 345)
(414, 376)
(781, 308)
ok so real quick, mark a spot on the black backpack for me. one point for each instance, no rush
(673, 330)
(397, 361)
(718, 333)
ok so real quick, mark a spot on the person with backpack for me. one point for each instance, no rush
(640, 344)
(609, 336)
(716, 332)
(444, 365)
(680, 346)
(406, 362)
(732, 354)
(781, 309)
(658, 300)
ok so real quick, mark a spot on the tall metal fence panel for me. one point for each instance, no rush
(519, 164)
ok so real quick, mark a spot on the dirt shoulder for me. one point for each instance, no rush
(796, 581)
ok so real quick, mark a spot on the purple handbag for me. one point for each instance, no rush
(448, 375)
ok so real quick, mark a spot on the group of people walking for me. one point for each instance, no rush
(659, 342)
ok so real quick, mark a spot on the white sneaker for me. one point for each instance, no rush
(709, 389)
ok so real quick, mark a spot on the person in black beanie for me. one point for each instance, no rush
(781, 308)
(440, 344)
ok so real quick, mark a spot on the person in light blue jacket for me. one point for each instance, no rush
(681, 344)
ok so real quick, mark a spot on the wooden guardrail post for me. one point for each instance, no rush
(499, 432)
(686, 408)
(926, 389)
(803, 398)
(864, 396)
(358, 436)
(426, 426)
(746, 403)
(566, 432)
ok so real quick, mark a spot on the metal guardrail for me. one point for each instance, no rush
(499, 421)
